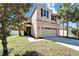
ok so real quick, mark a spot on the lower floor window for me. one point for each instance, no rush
(48, 28)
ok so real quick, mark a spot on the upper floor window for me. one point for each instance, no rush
(53, 17)
(44, 13)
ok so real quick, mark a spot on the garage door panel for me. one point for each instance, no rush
(47, 32)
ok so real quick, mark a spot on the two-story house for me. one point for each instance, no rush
(42, 23)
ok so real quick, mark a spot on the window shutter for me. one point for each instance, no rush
(47, 14)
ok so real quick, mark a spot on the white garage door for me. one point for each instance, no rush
(48, 32)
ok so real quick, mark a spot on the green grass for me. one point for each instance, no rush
(50, 48)
(21, 46)
(17, 45)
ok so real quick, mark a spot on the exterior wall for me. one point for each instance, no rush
(61, 32)
(38, 22)
(34, 24)
(44, 18)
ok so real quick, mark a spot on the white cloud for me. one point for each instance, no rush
(52, 4)
(51, 7)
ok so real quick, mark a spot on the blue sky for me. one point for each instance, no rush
(52, 6)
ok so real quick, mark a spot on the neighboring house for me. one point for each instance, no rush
(42, 23)
(61, 32)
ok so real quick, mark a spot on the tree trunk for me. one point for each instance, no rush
(77, 25)
(5, 49)
(19, 32)
(67, 27)
(77, 28)
(4, 39)
(63, 29)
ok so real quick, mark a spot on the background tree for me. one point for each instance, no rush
(75, 14)
(61, 18)
(65, 8)
(18, 23)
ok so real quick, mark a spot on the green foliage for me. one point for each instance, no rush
(64, 14)
(7, 11)
(74, 30)
(75, 13)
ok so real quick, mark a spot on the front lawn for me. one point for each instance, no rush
(21, 46)
(17, 45)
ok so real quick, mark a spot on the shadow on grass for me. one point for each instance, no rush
(30, 53)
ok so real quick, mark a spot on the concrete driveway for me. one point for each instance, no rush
(71, 43)
(64, 40)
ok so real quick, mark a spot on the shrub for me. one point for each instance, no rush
(74, 30)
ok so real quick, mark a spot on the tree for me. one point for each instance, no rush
(61, 18)
(74, 30)
(65, 8)
(20, 24)
(75, 14)
(6, 11)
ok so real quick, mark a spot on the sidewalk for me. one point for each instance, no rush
(31, 39)
(70, 46)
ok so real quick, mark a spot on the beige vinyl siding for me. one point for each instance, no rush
(34, 24)
(44, 18)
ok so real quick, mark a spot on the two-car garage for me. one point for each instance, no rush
(47, 29)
